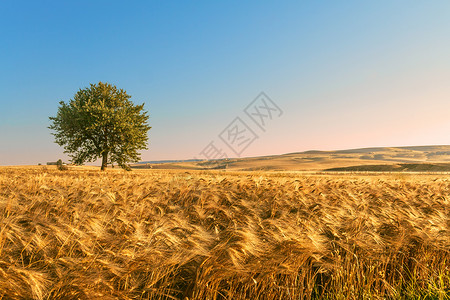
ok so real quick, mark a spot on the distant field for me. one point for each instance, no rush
(169, 234)
(389, 159)
(411, 167)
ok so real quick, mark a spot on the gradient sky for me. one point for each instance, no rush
(347, 74)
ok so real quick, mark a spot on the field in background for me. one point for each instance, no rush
(159, 234)
(387, 159)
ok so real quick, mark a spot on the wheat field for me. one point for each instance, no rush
(156, 234)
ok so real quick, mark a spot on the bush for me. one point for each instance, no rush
(61, 166)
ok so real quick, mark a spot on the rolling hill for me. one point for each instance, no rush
(413, 158)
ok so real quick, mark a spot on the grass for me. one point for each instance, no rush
(155, 234)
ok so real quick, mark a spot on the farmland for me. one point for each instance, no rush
(177, 234)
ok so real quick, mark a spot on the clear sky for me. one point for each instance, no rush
(346, 74)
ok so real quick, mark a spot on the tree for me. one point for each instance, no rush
(61, 166)
(101, 122)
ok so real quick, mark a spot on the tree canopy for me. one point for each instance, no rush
(101, 122)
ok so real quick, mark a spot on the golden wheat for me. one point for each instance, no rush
(158, 234)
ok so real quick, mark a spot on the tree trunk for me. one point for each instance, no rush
(104, 161)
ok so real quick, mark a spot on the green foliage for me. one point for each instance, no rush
(61, 166)
(101, 122)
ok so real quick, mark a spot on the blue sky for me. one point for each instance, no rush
(346, 74)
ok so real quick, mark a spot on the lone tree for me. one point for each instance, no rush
(101, 122)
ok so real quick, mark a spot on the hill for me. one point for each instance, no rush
(411, 158)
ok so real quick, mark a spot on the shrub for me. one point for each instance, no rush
(61, 166)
